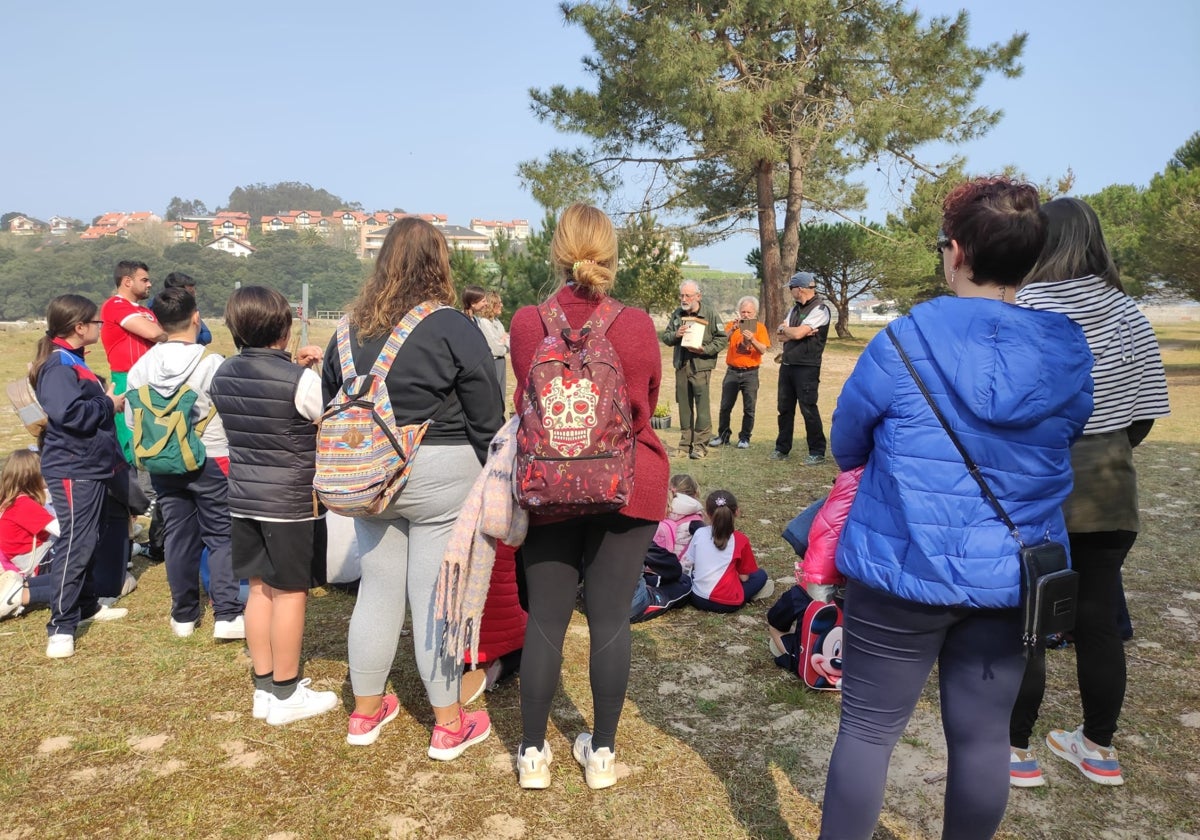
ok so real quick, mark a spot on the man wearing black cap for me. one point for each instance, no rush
(179, 280)
(803, 334)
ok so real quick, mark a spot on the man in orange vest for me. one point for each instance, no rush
(749, 339)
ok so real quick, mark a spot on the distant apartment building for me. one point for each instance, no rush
(118, 224)
(517, 229)
(232, 224)
(184, 231)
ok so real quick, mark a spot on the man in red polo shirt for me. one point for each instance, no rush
(129, 330)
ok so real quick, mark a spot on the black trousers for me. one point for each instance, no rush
(1099, 652)
(742, 381)
(606, 551)
(799, 384)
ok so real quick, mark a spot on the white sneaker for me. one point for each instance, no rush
(183, 629)
(304, 703)
(766, 592)
(233, 628)
(533, 767)
(599, 766)
(262, 704)
(60, 646)
(11, 586)
(105, 613)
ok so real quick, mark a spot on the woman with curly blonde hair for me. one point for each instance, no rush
(443, 372)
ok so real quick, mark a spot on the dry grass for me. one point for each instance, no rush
(144, 735)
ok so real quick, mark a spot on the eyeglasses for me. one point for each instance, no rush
(95, 322)
(943, 241)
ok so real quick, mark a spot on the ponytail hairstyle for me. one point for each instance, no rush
(22, 476)
(62, 314)
(584, 249)
(721, 507)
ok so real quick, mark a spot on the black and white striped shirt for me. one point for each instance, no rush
(1130, 383)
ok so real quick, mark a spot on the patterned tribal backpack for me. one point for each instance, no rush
(363, 459)
(575, 444)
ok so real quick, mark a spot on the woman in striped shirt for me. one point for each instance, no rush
(1075, 275)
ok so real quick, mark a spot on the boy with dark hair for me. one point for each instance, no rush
(270, 406)
(194, 502)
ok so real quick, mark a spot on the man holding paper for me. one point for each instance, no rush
(697, 337)
(748, 340)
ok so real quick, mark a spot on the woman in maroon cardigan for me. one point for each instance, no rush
(605, 549)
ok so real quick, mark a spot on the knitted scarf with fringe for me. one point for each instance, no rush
(489, 513)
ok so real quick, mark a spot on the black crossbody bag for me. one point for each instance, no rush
(1048, 587)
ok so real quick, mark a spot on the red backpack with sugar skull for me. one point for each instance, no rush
(575, 442)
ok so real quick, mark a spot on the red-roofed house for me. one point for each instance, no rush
(233, 224)
(185, 231)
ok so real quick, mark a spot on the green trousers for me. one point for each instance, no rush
(695, 418)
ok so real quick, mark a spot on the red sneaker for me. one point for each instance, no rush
(447, 745)
(364, 729)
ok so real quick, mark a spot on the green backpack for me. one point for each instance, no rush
(165, 440)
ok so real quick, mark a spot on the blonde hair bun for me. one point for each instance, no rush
(584, 248)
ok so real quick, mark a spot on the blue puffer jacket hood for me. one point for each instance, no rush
(1017, 390)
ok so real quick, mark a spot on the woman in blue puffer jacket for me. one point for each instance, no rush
(932, 571)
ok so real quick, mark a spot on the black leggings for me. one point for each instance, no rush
(609, 549)
(1099, 652)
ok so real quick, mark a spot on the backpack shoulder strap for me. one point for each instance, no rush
(553, 318)
(399, 335)
(345, 357)
(604, 314)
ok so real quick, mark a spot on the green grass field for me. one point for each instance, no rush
(144, 735)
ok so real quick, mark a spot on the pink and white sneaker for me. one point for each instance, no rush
(363, 730)
(447, 744)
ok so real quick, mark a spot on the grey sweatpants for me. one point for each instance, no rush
(402, 552)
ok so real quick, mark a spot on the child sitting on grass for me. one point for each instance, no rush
(27, 527)
(724, 573)
(663, 584)
(270, 406)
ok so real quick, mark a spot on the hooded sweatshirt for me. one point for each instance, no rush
(167, 366)
(1015, 385)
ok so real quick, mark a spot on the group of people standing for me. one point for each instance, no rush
(1036, 358)
(696, 335)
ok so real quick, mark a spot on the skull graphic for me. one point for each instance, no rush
(570, 414)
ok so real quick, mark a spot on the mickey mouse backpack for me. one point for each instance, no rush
(820, 660)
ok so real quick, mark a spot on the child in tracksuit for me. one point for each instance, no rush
(79, 456)
(195, 504)
(270, 406)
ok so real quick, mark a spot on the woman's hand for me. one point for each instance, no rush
(309, 355)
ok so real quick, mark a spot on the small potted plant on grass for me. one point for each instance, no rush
(661, 419)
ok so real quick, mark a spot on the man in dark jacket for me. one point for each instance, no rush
(804, 334)
(694, 365)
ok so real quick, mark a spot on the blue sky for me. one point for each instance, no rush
(425, 106)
